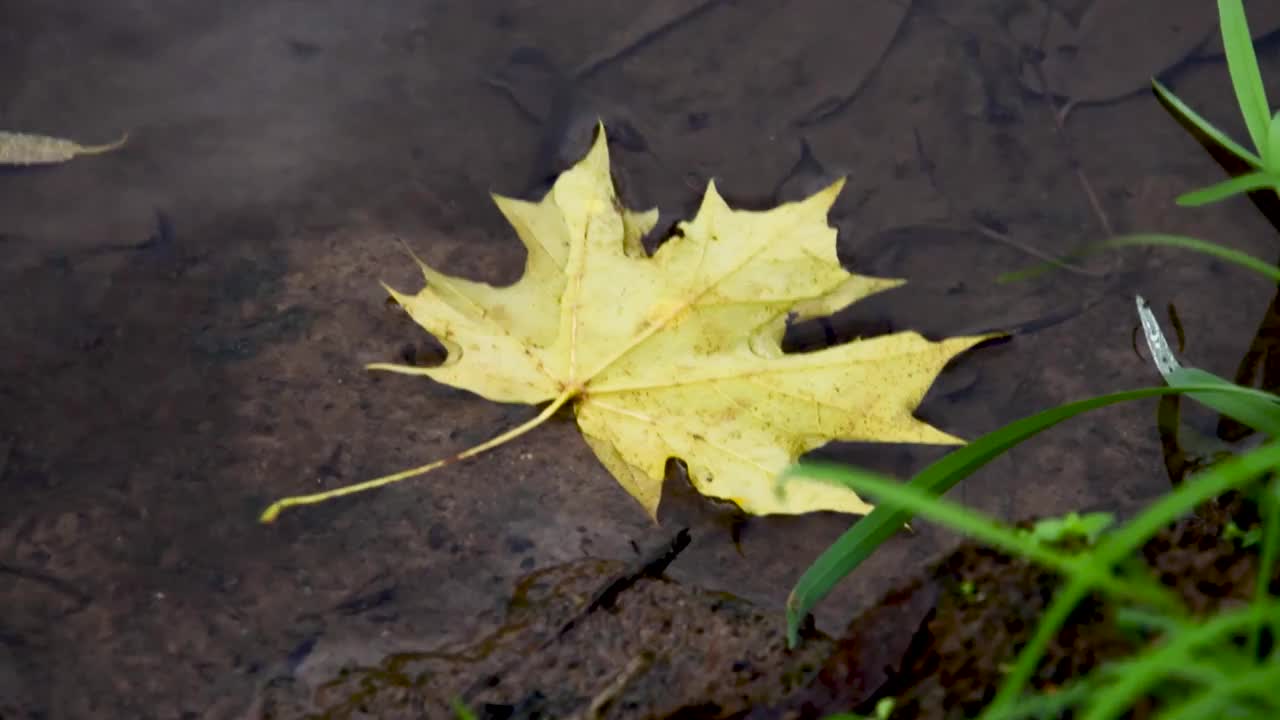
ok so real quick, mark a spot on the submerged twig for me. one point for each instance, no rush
(600, 703)
(81, 597)
(990, 232)
(651, 565)
(986, 229)
(649, 28)
(1059, 124)
(1059, 114)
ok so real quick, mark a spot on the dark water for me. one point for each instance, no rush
(185, 320)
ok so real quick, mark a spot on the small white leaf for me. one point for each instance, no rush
(1161, 353)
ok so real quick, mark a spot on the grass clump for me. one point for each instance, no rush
(1223, 665)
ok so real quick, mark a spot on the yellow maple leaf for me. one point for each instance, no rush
(678, 354)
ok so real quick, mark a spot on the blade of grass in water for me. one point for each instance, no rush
(1205, 126)
(1221, 252)
(868, 533)
(1154, 239)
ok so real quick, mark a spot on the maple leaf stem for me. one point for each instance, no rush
(271, 513)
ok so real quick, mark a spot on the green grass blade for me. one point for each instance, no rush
(1172, 656)
(1228, 188)
(1181, 672)
(915, 501)
(1242, 64)
(1047, 707)
(1258, 409)
(868, 533)
(1054, 617)
(1273, 142)
(1221, 252)
(461, 711)
(1130, 618)
(1269, 501)
(1205, 126)
(1259, 683)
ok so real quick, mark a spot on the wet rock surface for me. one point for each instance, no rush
(604, 639)
(587, 639)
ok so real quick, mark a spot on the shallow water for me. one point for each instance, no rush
(154, 398)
